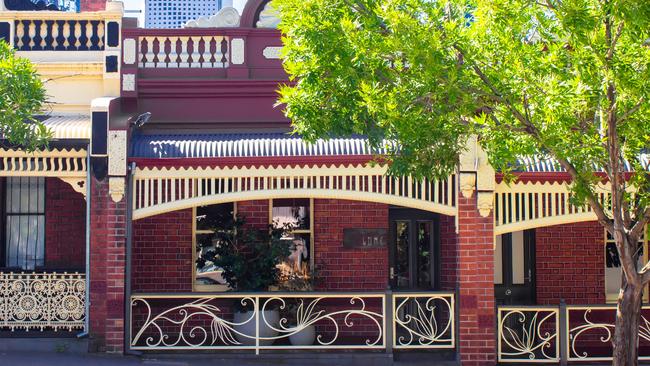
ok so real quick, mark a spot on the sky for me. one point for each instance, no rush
(135, 8)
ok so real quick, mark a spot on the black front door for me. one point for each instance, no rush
(514, 272)
(414, 246)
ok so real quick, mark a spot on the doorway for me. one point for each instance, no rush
(414, 249)
(514, 268)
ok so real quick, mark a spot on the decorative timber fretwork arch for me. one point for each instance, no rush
(161, 189)
(527, 205)
(67, 164)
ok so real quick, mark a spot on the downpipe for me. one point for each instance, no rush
(86, 330)
(127, 264)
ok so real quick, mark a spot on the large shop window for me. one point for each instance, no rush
(297, 214)
(613, 269)
(24, 234)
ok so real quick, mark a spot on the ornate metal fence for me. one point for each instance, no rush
(423, 320)
(42, 301)
(528, 334)
(274, 320)
(590, 330)
(574, 333)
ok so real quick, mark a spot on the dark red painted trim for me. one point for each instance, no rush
(551, 176)
(253, 161)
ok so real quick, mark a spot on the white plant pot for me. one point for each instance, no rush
(305, 337)
(270, 317)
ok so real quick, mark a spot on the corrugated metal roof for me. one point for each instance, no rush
(247, 145)
(69, 126)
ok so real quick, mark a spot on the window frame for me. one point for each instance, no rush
(612, 298)
(4, 227)
(309, 231)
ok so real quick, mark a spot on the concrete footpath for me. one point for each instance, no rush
(23, 358)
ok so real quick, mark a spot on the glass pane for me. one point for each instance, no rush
(12, 241)
(613, 269)
(295, 272)
(40, 244)
(206, 272)
(294, 212)
(518, 258)
(424, 254)
(212, 216)
(402, 253)
(498, 261)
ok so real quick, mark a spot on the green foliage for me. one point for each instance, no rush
(248, 257)
(530, 78)
(22, 98)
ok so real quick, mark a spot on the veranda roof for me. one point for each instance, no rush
(277, 144)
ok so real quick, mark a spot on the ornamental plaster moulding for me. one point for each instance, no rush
(485, 203)
(269, 17)
(116, 188)
(467, 183)
(227, 17)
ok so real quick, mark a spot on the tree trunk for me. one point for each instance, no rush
(626, 334)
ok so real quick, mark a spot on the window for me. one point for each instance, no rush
(298, 214)
(208, 277)
(24, 239)
(613, 265)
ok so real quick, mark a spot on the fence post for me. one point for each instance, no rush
(256, 305)
(562, 337)
(389, 321)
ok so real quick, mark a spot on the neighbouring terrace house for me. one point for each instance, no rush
(44, 195)
(468, 268)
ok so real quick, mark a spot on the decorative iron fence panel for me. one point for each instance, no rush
(423, 320)
(42, 301)
(590, 330)
(259, 321)
(528, 334)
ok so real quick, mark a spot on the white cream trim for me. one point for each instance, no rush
(49, 163)
(159, 190)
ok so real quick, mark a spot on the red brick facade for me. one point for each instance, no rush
(570, 263)
(349, 269)
(476, 284)
(107, 264)
(65, 227)
(162, 253)
(448, 253)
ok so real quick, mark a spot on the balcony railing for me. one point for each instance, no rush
(183, 51)
(275, 321)
(42, 301)
(530, 334)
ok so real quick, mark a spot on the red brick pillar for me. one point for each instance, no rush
(475, 274)
(107, 261)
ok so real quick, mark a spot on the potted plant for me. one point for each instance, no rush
(248, 259)
(299, 314)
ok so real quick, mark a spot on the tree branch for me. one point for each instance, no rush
(612, 46)
(637, 230)
(630, 111)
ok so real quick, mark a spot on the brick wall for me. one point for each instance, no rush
(65, 227)
(448, 253)
(162, 253)
(349, 269)
(475, 273)
(107, 255)
(256, 213)
(570, 263)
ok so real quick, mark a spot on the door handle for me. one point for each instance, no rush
(392, 273)
(508, 292)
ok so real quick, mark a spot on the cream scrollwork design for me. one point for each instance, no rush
(593, 325)
(527, 334)
(424, 321)
(210, 322)
(44, 301)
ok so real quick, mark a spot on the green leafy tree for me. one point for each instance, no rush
(22, 97)
(561, 79)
